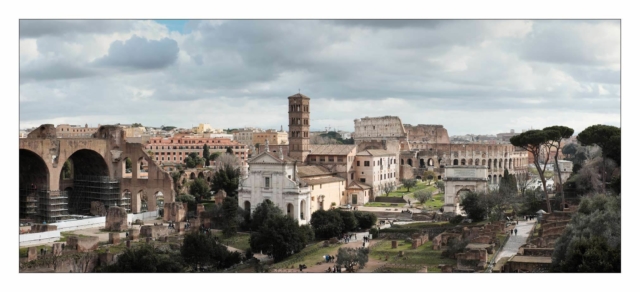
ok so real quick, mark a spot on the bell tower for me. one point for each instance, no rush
(299, 127)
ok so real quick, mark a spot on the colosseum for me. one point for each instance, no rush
(427, 147)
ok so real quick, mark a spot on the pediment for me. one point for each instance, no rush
(264, 157)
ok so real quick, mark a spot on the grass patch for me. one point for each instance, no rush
(239, 241)
(392, 269)
(387, 205)
(65, 235)
(423, 255)
(24, 251)
(309, 256)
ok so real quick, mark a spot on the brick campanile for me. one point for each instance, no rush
(299, 127)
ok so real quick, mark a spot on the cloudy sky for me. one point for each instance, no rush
(481, 77)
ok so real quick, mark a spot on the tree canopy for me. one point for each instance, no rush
(280, 237)
(263, 212)
(422, 196)
(146, 259)
(230, 216)
(199, 188)
(409, 183)
(350, 257)
(205, 154)
(327, 224)
(472, 204)
(591, 241)
(534, 141)
(203, 250)
(193, 160)
(606, 137)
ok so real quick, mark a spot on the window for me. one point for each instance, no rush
(366, 163)
(266, 182)
(362, 179)
(331, 159)
(339, 159)
(358, 163)
(322, 159)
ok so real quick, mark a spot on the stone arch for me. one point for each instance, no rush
(422, 165)
(477, 161)
(484, 162)
(463, 162)
(510, 163)
(33, 176)
(455, 162)
(430, 162)
(142, 168)
(303, 205)
(126, 171)
(125, 200)
(201, 175)
(401, 161)
(489, 163)
(247, 206)
(159, 200)
(140, 202)
(495, 163)
(192, 176)
(418, 177)
(495, 179)
(409, 162)
(290, 210)
(460, 195)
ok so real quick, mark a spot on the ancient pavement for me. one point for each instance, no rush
(516, 241)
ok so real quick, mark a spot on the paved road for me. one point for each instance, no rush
(516, 241)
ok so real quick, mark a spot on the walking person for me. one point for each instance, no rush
(516, 231)
(511, 231)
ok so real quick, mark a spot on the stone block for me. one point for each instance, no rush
(174, 212)
(114, 238)
(116, 219)
(414, 244)
(181, 226)
(32, 253)
(57, 248)
(153, 231)
(83, 244)
(35, 228)
(199, 209)
(394, 244)
(98, 209)
(134, 234)
(333, 240)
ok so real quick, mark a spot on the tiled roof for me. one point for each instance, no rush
(312, 170)
(358, 185)
(325, 180)
(331, 149)
(375, 152)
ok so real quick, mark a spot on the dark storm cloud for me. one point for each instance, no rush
(140, 53)
(37, 28)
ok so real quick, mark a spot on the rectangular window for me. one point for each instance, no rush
(358, 163)
(362, 179)
(339, 159)
(366, 163)
(266, 182)
(322, 159)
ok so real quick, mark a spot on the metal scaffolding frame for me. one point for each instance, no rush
(89, 188)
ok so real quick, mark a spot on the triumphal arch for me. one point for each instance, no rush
(462, 179)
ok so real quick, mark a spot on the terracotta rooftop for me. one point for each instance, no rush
(312, 170)
(326, 180)
(375, 152)
(331, 149)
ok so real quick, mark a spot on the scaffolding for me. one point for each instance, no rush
(90, 188)
(29, 202)
(53, 206)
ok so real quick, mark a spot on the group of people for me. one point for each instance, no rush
(529, 217)
(514, 231)
(329, 259)
(406, 211)
(348, 237)
(334, 269)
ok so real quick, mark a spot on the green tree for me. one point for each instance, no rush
(199, 188)
(607, 138)
(472, 203)
(365, 219)
(570, 150)
(326, 224)
(557, 134)
(193, 160)
(263, 212)
(534, 141)
(508, 184)
(280, 237)
(146, 259)
(422, 196)
(350, 257)
(206, 154)
(429, 176)
(592, 239)
(387, 188)
(127, 163)
(229, 150)
(409, 183)
(214, 156)
(135, 125)
(440, 185)
(228, 179)
(67, 170)
(230, 216)
(349, 222)
(202, 250)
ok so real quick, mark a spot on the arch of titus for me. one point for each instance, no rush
(460, 179)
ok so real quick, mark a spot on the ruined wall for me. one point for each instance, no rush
(427, 133)
(378, 128)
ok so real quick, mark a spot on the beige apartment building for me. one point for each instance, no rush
(245, 135)
(375, 168)
(274, 137)
(177, 148)
(75, 131)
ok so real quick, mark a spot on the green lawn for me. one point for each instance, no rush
(309, 256)
(392, 269)
(423, 255)
(401, 191)
(239, 241)
(435, 204)
(388, 205)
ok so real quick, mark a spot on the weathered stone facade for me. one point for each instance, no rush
(116, 219)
